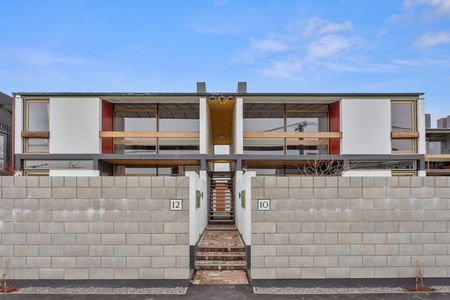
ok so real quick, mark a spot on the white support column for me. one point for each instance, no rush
(205, 127)
(238, 126)
(421, 141)
(18, 124)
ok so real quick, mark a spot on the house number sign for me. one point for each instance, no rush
(263, 204)
(176, 204)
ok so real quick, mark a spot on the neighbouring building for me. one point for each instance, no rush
(90, 134)
(438, 147)
(5, 133)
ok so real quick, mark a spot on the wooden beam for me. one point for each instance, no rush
(307, 111)
(307, 142)
(150, 134)
(404, 134)
(35, 134)
(437, 157)
(256, 134)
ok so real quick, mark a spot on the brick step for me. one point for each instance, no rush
(219, 227)
(220, 249)
(220, 256)
(220, 265)
(221, 221)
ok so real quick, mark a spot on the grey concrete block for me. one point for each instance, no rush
(36, 192)
(101, 273)
(51, 273)
(101, 250)
(14, 192)
(113, 193)
(89, 193)
(76, 227)
(76, 250)
(113, 239)
(138, 239)
(64, 193)
(78, 273)
(88, 262)
(126, 250)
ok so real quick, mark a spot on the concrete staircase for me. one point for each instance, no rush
(221, 204)
(220, 248)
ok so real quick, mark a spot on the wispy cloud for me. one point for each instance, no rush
(46, 58)
(438, 6)
(431, 39)
(303, 48)
(268, 45)
(329, 45)
(317, 26)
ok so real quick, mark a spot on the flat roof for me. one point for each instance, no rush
(170, 94)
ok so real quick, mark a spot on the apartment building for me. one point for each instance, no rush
(438, 147)
(92, 134)
(5, 133)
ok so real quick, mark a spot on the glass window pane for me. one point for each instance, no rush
(37, 116)
(59, 164)
(402, 116)
(307, 122)
(179, 117)
(403, 145)
(38, 145)
(295, 146)
(263, 146)
(2, 149)
(178, 145)
(263, 117)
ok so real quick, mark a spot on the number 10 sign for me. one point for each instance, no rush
(176, 204)
(263, 204)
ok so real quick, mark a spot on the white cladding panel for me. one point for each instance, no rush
(18, 124)
(421, 127)
(71, 172)
(366, 126)
(367, 173)
(75, 125)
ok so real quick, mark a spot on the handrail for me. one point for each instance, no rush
(149, 134)
(258, 134)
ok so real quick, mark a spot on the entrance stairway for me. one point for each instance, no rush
(220, 248)
(221, 202)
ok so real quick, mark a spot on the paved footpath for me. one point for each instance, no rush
(227, 292)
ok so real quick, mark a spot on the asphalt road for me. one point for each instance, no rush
(228, 292)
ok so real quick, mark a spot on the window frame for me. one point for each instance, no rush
(414, 126)
(26, 114)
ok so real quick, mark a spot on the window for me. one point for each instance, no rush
(2, 150)
(36, 126)
(135, 117)
(306, 118)
(403, 120)
(42, 167)
(178, 117)
(156, 118)
(261, 117)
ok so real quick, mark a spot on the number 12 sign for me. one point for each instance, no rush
(176, 204)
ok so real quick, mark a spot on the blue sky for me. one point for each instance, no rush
(279, 45)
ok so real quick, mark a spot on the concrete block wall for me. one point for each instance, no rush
(350, 227)
(94, 228)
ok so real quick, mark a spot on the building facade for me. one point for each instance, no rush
(438, 147)
(5, 133)
(91, 134)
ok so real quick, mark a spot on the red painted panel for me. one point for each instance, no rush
(334, 119)
(107, 125)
